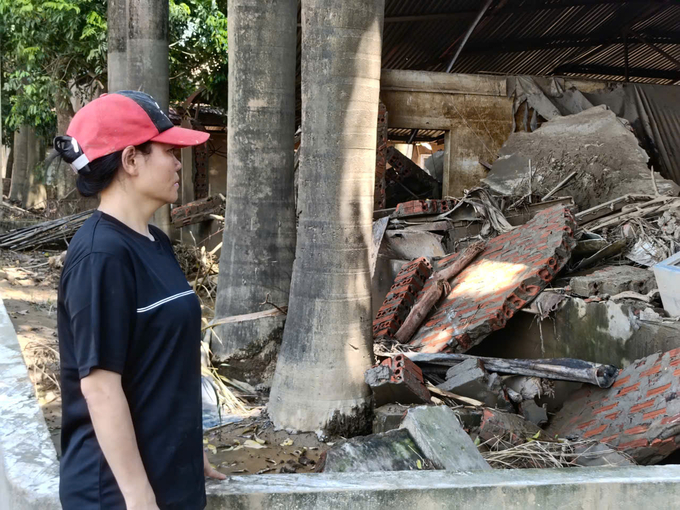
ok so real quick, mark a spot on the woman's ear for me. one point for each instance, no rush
(129, 161)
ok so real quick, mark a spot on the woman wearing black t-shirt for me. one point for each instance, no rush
(129, 323)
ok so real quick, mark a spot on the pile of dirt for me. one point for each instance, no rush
(595, 144)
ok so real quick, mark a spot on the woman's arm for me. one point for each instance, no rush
(115, 433)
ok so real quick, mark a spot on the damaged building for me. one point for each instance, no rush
(445, 239)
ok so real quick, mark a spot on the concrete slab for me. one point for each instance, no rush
(440, 436)
(391, 451)
(613, 280)
(469, 379)
(388, 417)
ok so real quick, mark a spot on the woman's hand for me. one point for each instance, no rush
(210, 471)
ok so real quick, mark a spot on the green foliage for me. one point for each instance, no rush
(57, 48)
(49, 49)
(198, 50)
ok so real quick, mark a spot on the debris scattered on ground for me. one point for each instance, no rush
(469, 379)
(613, 280)
(639, 414)
(46, 234)
(439, 435)
(388, 417)
(595, 144)
(397, 380)
(394, 450)
(205, 209)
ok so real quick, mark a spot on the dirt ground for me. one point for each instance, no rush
(28, 286)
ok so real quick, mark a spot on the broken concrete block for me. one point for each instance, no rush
(614, 280)
(532, 412)
(639, 414)
(440, 436)
(469, 379)
(388, 417)
(392, 451)
(513, 269)
(502, 428)
(397, 380)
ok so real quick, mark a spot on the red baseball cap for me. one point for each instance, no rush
(120, 119)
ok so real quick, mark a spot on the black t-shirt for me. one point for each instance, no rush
(126, 306)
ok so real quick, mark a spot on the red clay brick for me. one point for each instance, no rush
(658, 390)
(654, 370)
(676, 373)
(640, 407)
(606, 408)
(613, 416)
(609, 439)
(640, 429)
(586, 424)
(595, 432)
(674, 353)
(638, 443)
(621, 382)
(628, 389)
(671, 419)
(653, 414)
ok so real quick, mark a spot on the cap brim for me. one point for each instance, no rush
(181, 137)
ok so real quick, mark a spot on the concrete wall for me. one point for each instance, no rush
(603, 332)
(29, 473)
(473, 109)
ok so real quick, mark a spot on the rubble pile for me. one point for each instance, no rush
(570, 216)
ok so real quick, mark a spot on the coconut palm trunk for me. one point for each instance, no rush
(258, 248)
(19, 187)
(138, 58)
(327, 344)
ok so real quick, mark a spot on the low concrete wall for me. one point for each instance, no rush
(586, 488)
(29, 469)
(29, 473)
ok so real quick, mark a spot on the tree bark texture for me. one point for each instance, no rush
(327, 344)
(138, 58)
(259, 231)
(19, 186)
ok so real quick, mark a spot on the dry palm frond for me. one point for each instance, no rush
(225, 397)
(541, 454)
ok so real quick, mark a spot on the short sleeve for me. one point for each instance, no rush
(100, 298)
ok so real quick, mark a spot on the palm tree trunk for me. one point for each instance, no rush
(259, 232)
(138, 58)
(327, 344)
(19, 188)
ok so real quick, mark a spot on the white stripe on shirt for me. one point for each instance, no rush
(163, 301)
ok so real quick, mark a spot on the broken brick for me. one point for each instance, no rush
(647, 407)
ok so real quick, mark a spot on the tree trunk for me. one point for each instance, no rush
(59, 176)
(138, 59)
(10, 163)
(36, 195)
(259, 232)
(19, 188)
(328, 344)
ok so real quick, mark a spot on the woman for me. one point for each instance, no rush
(129, 323)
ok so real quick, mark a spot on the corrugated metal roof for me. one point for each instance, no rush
(583, 38)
